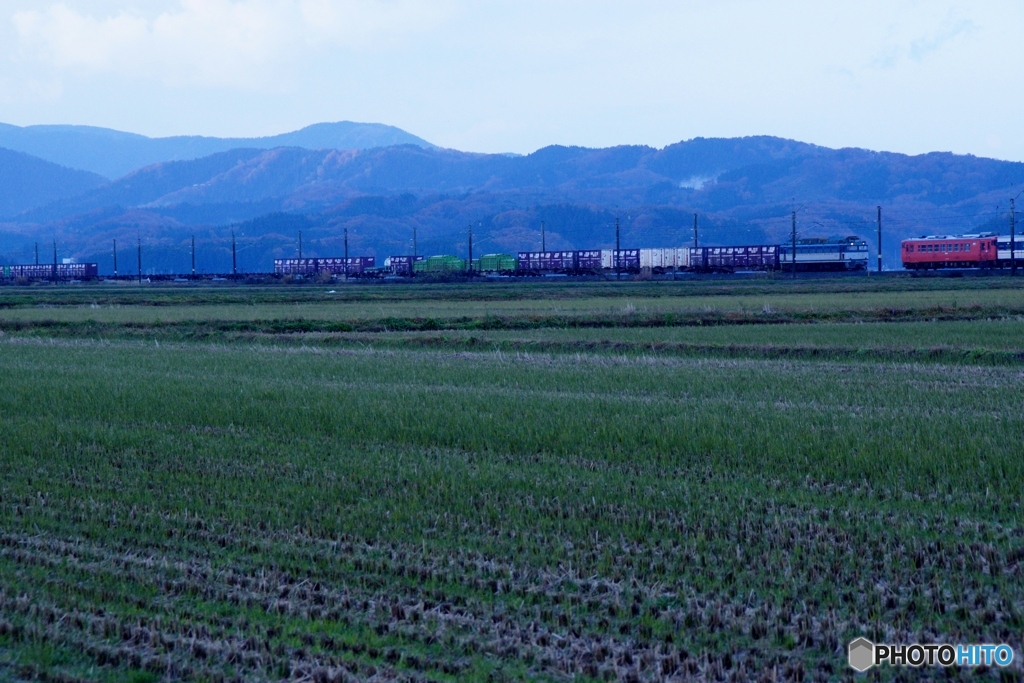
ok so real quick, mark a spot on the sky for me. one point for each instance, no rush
(503, 76)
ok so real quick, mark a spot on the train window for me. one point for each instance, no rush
(967, 247)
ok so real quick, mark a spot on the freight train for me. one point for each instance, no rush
(849, 253)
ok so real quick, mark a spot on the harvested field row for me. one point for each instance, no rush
(204, 501)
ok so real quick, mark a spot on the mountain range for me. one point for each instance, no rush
(743, 190)
(112, 153)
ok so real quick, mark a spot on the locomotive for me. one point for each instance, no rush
(820, 254)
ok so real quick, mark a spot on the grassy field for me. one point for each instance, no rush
(715, 495)
(860, 298)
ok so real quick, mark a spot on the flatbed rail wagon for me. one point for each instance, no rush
(49, 271)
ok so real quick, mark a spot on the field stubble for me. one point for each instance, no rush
(182, 509)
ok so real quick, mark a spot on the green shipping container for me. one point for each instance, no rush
(495, 263)
(440, 264)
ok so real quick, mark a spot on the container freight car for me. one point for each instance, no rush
(439, 265)
(43, 271)
(820, 254)
(624, 260)
(401, 265)
(547, 262)
(665, 260)
(496, 263)
(578, 262)
(959, 251)
(731, 259)
(336, 265)
(588, 260)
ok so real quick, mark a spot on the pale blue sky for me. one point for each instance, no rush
(515, 76)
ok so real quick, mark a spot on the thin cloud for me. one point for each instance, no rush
(918, 49)
(921, 48)
(215, 43)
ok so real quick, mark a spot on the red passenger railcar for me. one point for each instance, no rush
(944, 251)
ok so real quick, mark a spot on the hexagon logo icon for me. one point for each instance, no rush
(862, 654)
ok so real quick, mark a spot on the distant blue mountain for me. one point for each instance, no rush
(112, 153)
(742, 188)
(26, 181)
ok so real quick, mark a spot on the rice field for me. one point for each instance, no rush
(123, 305)
(281, 503)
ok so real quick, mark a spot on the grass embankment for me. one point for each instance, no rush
(185, 509)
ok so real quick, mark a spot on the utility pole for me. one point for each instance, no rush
(695, 245)
(37, 253)
(140, 259)
(470, 264)
(617, 273)
(115, 258)
(543, 238)
(55, 261)
(234, 257)
(193, 255)
(300, 244)
(879, 240)
(794, 244)
(346, 254)
(413, 245)
(1013, 241)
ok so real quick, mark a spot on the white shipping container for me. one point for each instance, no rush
(650, 258)
(665, 259)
